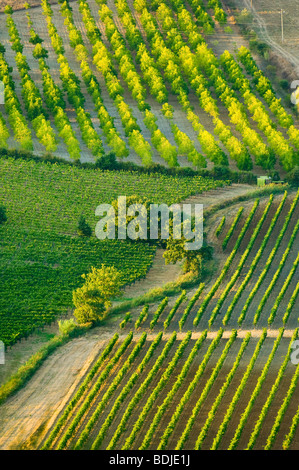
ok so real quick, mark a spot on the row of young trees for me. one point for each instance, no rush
(264, 87)
(17, 121)
(102, 59)
(260, 115)
(264, 156)
(182, 54)
(55, 101)
(112, 136)
(4, 132)
(129, 73)
(72, 86)
(167, 63)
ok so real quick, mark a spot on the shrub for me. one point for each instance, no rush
(3, 216)
(83, 229)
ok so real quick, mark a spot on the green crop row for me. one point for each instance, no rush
(271, 395)
(256, 391)
(93, 392)
(186, 397)
(112, 387)
(172, 312)
(141, 391)
(185, 434)
(217, 401)
(291, 304)
(81, 390)
(241, 263)
(269, 260)
(276, 275)
(226, 265)
(232, 227)
(168, 399)
(282, 410)
(158, 312)
(124, 392)
(157, 390)
(283, 291)
(233, 403)
(255, 261)
(190, 305)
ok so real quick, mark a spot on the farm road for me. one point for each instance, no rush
(264, 34)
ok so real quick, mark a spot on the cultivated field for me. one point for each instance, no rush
(142, 109)
(204, 386)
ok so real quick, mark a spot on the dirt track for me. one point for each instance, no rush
(288, 49)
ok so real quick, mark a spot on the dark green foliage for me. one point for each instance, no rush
(3, 216)
(83, 229)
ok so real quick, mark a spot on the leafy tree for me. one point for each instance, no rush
(83, 229)
(293, 177)
(39, 52)
(192, 259)
(8, 10)
(3, 216)
(93, 299)
(34, 37)
(123, 224)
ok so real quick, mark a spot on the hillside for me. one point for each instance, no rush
(164, 102)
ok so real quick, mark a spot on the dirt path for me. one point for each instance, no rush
(264, 34)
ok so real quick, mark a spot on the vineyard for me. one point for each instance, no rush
(139, 79)
(182, 374)
(209, 367)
